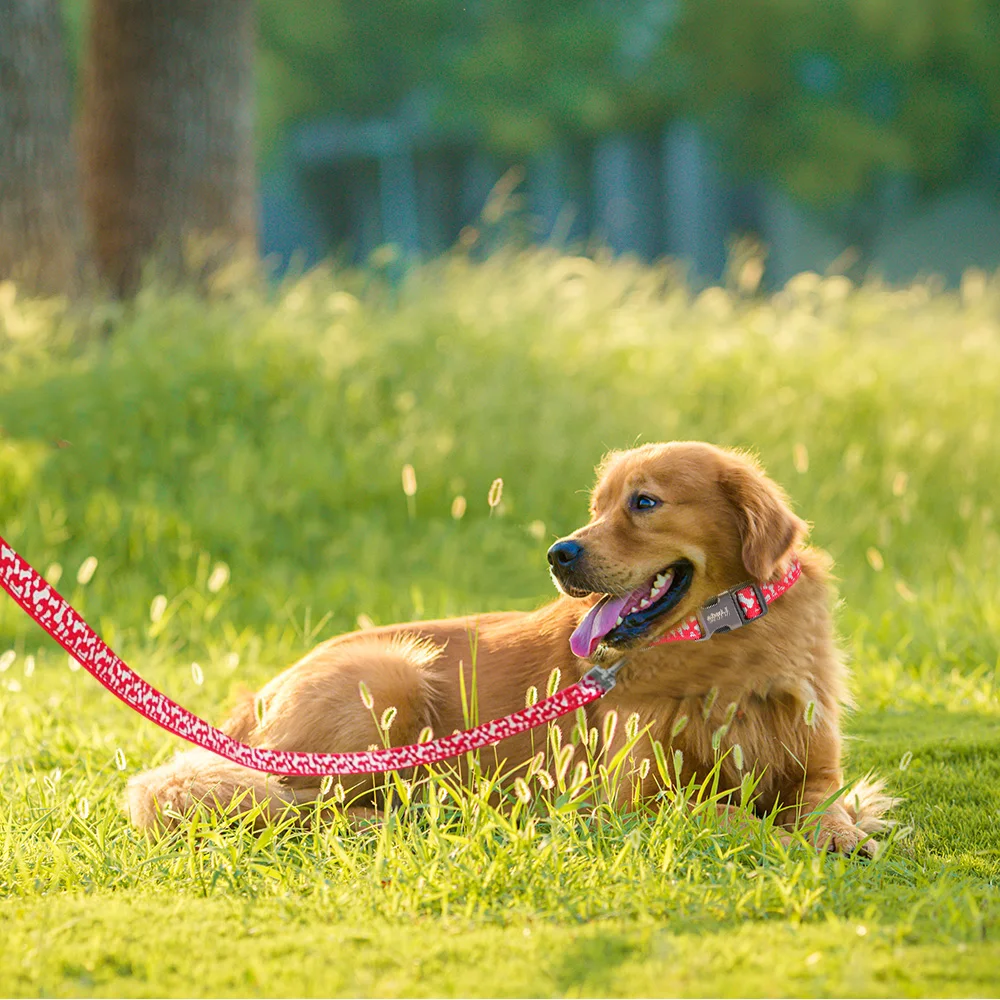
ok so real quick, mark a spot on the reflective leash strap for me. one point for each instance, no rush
(41, 602)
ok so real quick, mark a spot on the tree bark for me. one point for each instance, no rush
(40, 216)
(168, 135)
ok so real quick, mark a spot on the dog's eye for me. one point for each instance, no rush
(643, 501)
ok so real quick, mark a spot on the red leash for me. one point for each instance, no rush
(40, 601)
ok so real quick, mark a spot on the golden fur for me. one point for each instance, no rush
(716, 509)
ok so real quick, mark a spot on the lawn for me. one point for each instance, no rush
(216, 483)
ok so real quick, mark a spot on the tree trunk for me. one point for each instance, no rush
(168, 135)
(40, 217)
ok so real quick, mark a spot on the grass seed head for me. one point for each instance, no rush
(563, 760)
(661, 760)
(709, 703)
(875, 559)
(409, 480)
(385, 723)
(86, 571)
(495, 494)
(522, 791)
(609, 726)
(632, 726)
(366, 696)
(157, 608)
(218, 578)
(553, 683)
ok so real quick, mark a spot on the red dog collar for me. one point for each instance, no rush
(729, 610)
(732, 609)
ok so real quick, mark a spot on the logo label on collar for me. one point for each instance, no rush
(721, 615)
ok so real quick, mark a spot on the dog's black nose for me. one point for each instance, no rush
(564, 554)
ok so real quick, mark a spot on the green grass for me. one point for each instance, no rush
(234, 466)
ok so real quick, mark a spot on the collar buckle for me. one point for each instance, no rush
(731, 610)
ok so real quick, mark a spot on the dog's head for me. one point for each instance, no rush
(671, 525)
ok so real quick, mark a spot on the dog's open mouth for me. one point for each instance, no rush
(617, 620)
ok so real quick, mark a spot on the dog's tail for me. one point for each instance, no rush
(160, 798)
(867, 802)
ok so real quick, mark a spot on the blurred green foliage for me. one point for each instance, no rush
(824, 97)
(270, 434)
(354, 59)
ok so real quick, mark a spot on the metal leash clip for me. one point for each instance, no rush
(605, 677)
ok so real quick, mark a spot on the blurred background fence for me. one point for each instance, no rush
(849, 135)
(855, 136)
(402, 182)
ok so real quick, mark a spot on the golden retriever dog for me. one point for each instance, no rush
(671, 526)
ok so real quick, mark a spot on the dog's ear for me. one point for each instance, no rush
(768, 528)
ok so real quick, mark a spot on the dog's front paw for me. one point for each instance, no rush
(841, 837)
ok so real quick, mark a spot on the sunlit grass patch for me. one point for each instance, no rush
(475, 847)
(219, 484)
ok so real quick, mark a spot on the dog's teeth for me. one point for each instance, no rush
(619, 620)
(644, 603)
(659, 581)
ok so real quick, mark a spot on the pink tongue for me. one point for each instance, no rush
(597, 623)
